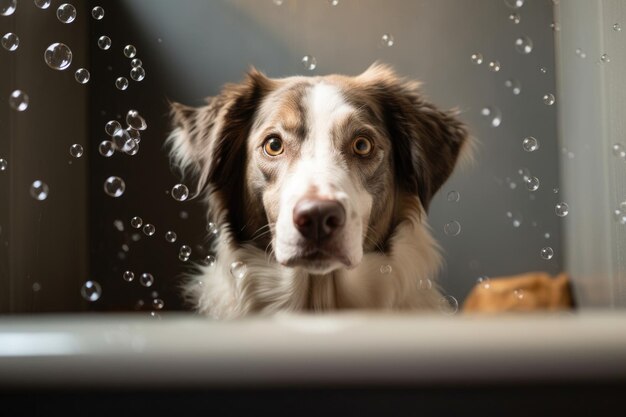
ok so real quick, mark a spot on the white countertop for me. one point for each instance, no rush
(300, 350)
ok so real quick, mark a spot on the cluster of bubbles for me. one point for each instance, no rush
(124, 140)
(619, 214)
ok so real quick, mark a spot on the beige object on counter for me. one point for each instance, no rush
(526, 292)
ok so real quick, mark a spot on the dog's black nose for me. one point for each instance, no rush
(318, 219)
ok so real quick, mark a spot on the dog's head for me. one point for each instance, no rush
(317, 167)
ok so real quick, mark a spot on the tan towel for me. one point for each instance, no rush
(526, 292)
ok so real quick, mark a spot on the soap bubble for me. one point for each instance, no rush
(112, 127)
(170, 236)
(136, 222)
(619, 150)
(453, 196)
(580, 53)
(212, 229)
(448, 305)
(121, 83)
(484, 282)
(278, 2)
(309, 62)
(7, 7)
(131, 147)
(137, 73)
(180, 192)
(91, 291)
(158, 304)
(106, 148)
(524, 45)
(493, 114)
(387, 39)
(333, 2)
(452, 228)
(519, 294)
(209, 260)
(184, 253)
(617, 27)
(515, 18)
(146, 279)
(66, 13)
(76, 150)
(530, 144)
(515, 218)
(425, 284)
(3, 164)
(97, 13)
(477, 58)
(238, 269)
(532, 183)
(134, 120)
(42, 4)
(605, 58)
(114, 186)
(561, 209)
(39, 190)
(547, 253)
(385, 269)
(82, 75)
(494, 66)
(10, 41)
(18, 100)
(128, 276)
(136, 63)
(58, 56)
(514, 4)
(543, 70)
(514, 85)
(130, 51)
(149, 229)
(104, 42)
(548, 99)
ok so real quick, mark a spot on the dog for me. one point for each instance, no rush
(317, 189)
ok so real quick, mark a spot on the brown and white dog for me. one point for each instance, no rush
(319, 186)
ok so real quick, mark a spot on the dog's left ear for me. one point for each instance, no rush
(426, 141)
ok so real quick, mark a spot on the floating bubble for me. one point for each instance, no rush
(561, 209)
(425, 284)
(128, 276)
(114, 186)
(209, 260)
(543, 70)
(532, 183)
(136, 63)
(547, 253)
(333, 2)
(605, 58)
(555, 26)
(387, 39)
(453, 196)
(477, 58)
(514, 4)
(91, 291)
(180, 192)
(104, 42)
(7, 7)
(10, 41)
(619, 150)
(66, 13)
(546, 235)
(3, 164)
(121, 83)
(581, 53)
(515, 18)
(309, 62)
(119, 225)
(149, 229)
(519, 294)
(530, 144)
(134, 120)
(448, 305)
(494, 66)
(42, 4)
(158, 304)
(39, 190)
(18, 100)
(106, 148)
(617, 27)
(548, 99)
(36, 287)
(452, 228)
(130, 51)
(97, 13)
(524, 45)
(112, 127)
(515, 218)
(58, 56)
(146, 279)
(278, 2)
(170, 236)
(493, 114)
(76, 150)
(82, 75)
(212, 229)
(238, 269)
(483, 282)
(137, 73)
(385, 269)
(184, 253)
(514, 85)
(131, 147)
(134, 134)
(136, 222)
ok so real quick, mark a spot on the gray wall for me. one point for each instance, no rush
(205, 44)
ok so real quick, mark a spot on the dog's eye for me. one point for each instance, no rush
(273, 146)
(362, 146)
